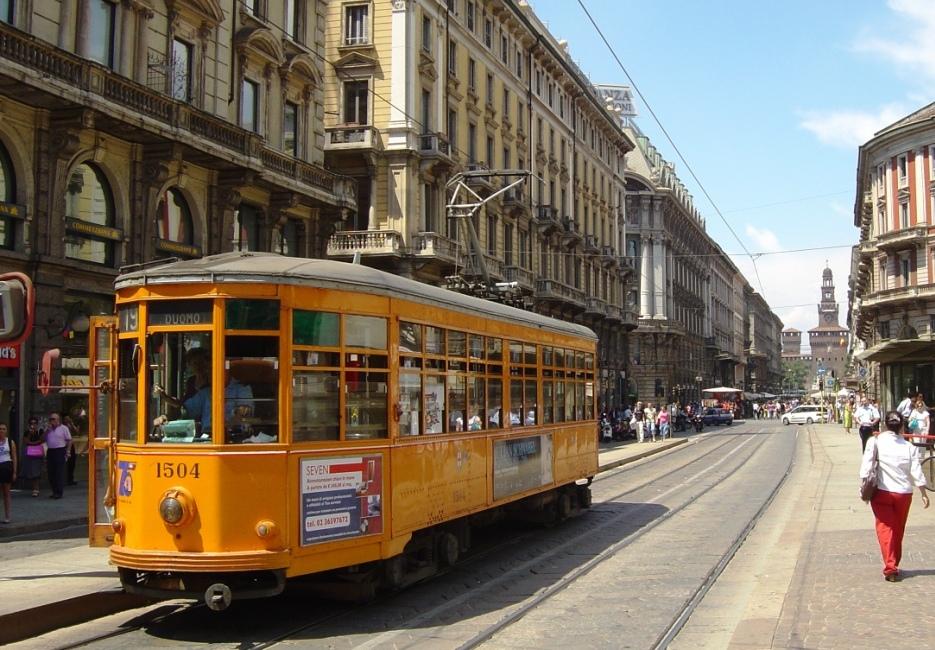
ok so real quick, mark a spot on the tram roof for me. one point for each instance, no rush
(275, 268)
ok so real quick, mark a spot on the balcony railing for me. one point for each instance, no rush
(431, 244)
(590, 244)
(354, 136)
(93, 79)
(367, 242)
(595, 307)
(571, 236)
(608, 256)
(898, 295)
(547, 219)
(523, 277)
(901, 239)
(493, 265)
(434, 144)
(555, 291)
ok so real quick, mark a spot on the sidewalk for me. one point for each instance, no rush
(810, 574)
(65, 587)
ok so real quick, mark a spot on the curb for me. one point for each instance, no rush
(28, 528)
(32, 622)
(649, 452)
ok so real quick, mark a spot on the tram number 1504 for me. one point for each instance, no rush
(177, 470)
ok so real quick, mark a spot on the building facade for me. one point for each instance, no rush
(133, 131)
(422, 91)
(892, 284)
(828, 341)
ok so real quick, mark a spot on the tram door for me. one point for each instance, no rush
(101, 433)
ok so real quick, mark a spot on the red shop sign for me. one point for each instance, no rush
(9, 356)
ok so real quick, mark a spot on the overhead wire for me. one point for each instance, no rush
(691, 171)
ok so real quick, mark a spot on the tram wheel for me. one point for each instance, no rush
(448, 549)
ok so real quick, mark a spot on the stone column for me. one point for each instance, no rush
(128, 25)
(82, 31)
(659, 289)
(141, 61)
(402, 31)
(66, 22)
(646, 280)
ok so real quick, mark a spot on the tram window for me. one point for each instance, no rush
(516, 402)
(579, 400)
(559, 358)
(316, 406)
(457, 344)
(366, 404)
(588, 400)
(476, 347)
(529, 404)
(494, 349)
(516, 352)
(252, 315)
(178, 381)
(457, 400)
(315, 328)
(560, 401)
(313, 358)
(529, 354)
(410, 337)
(589, 361)
(410, 362)
(251, 389)
(434, 402)
(569, 358)
(494, 403)
(355, 360)
(477, 414)
(546, 356)
(434, 340)
(548, 403)
(128, 396)
(569, 401)
(410, 403)
(365, 332)
(579, 359)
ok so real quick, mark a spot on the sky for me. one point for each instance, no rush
(768, 103)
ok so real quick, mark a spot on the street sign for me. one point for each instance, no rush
(821, 371)
(862, 372)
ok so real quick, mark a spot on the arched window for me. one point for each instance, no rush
(89, 217)
(8, 211)
(174, 225)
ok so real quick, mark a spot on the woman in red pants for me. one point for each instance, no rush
(899, 471)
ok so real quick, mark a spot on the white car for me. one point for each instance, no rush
(805, 414)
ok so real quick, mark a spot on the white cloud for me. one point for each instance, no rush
(913, 48)
(849, 128)
(763, 239)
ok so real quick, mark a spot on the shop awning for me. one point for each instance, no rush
(722, 389)
(897, 350)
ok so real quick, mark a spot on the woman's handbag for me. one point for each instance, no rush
(868, 485)
(35, 451)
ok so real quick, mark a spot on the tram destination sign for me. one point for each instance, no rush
(180, 312)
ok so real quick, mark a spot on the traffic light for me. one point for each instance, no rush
(821, 384)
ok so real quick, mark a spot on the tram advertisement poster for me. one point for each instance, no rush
(341, 498)
(521, 464)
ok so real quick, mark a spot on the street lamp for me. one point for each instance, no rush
(698, 380)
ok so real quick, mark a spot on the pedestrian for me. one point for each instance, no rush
(34, 455)
(72, 456)
(663, 422)
(649, 421)
(905, 407)
(7, 470)
(918, 423)
(867, 417)
(848, 415)
(898, 471)
(57, 440)
(637, 421)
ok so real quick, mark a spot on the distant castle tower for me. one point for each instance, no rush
(791, 343)
(828, 341)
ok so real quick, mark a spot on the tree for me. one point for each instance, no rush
(794, 374)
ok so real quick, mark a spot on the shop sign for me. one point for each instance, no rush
(185, 250)
(12, 210)
(9, 356)
(93, 229)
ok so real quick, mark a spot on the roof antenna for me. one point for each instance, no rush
(356, 259)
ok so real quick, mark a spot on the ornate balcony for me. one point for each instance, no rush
(553, 291)
(522, 277)
(902, 239)
(481, 181)
(493, 265)
(571, 236)
(514, 199)
(590, 245)
(547, 220)
(595, 307)
(434, 245)
(78, 81)
(376, 243)
(351, 137)
(630, 319)
(608, 256)
(898, 295)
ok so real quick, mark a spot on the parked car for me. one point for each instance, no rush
(714, 416)
(805, 414)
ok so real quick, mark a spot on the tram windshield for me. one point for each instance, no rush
(178, 374)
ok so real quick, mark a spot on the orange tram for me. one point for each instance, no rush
(258, 418)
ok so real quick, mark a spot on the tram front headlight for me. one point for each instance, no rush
(176, 507)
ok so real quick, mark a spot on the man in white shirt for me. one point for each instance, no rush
(905, 406)
(867, 417)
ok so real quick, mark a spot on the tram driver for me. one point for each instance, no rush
(196, 403)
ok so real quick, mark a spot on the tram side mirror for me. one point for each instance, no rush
(46, 368)
(14, 317)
